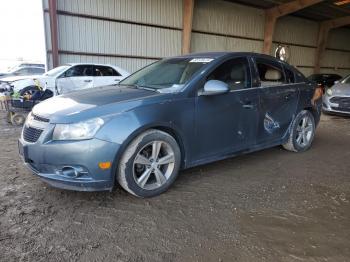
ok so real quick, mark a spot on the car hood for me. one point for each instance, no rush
(94, 102)
(17, 78)
(341, 90)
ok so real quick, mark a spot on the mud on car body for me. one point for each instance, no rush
(171, 115)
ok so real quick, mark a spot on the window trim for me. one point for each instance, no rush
(287, 67)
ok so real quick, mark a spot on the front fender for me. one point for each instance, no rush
(175, 117)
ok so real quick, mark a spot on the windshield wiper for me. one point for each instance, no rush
(140, 87)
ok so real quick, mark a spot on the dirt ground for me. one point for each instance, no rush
(271, 205)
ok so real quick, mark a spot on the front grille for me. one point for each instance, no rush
(31, 134)
(342, 109)
(40, 119)
(340, 100)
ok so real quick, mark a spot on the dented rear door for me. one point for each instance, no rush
(278, 103)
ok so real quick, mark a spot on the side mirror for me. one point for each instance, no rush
(214, 87)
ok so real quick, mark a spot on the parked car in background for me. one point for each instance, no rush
(16, 83)
(324, 80)
(173, 114)
(337, 98)
(71, 77)
(23, 71)
(26, 64)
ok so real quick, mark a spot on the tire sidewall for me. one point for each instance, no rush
(126, 166)
(301, 115)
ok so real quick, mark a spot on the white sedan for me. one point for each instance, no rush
(70, 77)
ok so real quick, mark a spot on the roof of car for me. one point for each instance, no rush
(73, 64)
(16, 78)
(221, 54)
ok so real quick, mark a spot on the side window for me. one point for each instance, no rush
(79, 70)
(35, 70)
(105, 71)
(270, 73)
(22, 71)
(290, 78)
(234, 72)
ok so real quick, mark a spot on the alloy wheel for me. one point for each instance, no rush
(153, 165)
(304, 132)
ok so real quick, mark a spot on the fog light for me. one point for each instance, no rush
(70, 171)
(104, 165)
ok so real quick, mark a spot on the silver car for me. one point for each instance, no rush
(337, 98)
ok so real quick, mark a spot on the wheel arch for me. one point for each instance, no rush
(165, 127)
(314, 113)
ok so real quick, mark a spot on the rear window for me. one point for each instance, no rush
(105, 71)
(270, 72)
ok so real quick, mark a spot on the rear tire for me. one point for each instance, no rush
(150, 164)
(302, 132)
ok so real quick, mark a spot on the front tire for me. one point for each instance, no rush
(150, 164)
(302, 132)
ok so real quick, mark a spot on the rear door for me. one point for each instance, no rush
(227, 122)
(105, 75)
(75, 78)
(278, 100)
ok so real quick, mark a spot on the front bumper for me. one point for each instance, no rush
(50, 160)
(334, 108)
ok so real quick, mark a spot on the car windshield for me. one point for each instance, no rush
(346, 80)
(57, 70)
(171, 73)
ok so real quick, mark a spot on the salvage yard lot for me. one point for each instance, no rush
(271, 205)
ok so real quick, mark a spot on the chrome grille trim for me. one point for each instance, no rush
(40, 119)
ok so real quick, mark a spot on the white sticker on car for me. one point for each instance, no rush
(201, 60)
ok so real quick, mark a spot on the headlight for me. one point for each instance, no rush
(78, 131)
(329, 92)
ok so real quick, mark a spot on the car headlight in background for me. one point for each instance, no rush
(77, 131)
(329, 92)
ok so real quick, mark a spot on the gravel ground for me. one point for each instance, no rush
(271, 205)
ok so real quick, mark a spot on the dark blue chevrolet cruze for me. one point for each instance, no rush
(173, 114)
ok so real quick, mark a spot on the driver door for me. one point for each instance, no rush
(76, 78)
(227, 123)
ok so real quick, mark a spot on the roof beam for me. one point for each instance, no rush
(272, 14)
(54, 32)
(187, 25)
(323, 33)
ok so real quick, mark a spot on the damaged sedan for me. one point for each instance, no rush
(174, 114)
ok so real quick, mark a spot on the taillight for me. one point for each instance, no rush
(317, 94)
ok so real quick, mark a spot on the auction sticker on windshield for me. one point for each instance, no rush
(201, 60)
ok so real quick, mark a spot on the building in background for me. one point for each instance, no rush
(134, 33)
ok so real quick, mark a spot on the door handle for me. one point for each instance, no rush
(248, 105)
(87, 81)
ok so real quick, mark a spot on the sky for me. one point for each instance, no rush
(21, 32)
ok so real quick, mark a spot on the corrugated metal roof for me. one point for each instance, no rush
(322, 11)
